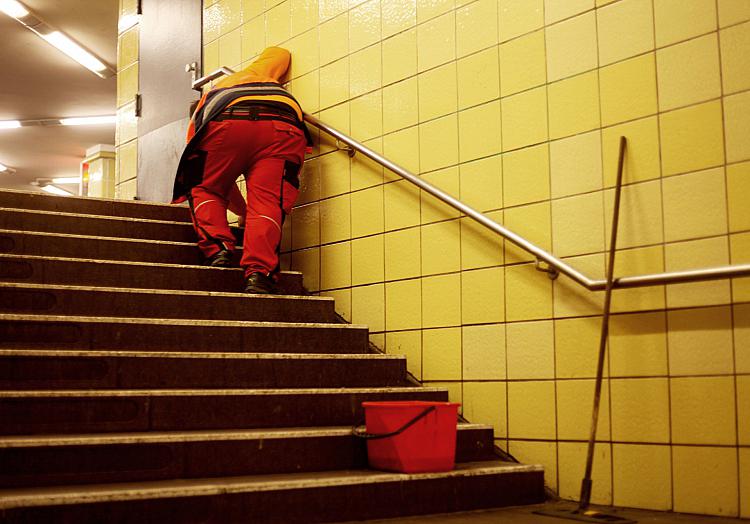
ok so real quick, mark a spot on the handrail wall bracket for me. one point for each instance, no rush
(545, 267)
(346, 147)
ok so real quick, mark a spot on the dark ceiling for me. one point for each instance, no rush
(38, 82)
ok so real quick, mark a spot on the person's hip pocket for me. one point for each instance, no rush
(193, 168)
(290, 180)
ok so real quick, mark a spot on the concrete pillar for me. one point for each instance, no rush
(99, 179)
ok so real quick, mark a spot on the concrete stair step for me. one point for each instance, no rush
(334, 496)
(148, 334)
(95, 225)
(205, 305)
(95, 206)
(93, 411)
(99, 248)
(131, 457)
(139, 275)
(22, 369)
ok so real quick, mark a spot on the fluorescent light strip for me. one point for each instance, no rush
(58, 39)
(67, 180)
(3, 168)
(89, 120)
(74, 51)
(13, 8)
(56, 190)
(9, 124)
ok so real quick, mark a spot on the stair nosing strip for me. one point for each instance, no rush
(129, 263)
(187, 292)
(249, 484)
(106, 439)
(257, 392)
(124, 262)
(94, 217)
(177, 322)
(97, 237)
(71, 353)
(136, 203)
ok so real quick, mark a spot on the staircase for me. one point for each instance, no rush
(138, 386)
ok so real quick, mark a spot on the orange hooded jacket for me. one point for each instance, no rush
(269, 68)
(261, 82)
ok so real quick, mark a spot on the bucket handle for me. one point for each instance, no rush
(373, 436)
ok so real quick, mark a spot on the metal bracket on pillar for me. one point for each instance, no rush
(138, 105)
(192, 68)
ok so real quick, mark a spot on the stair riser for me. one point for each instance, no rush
(97, 226)
(151, 305)
(167, 337)
(50, 373)
(145, 462)
(117, 208)
(70, 414)
(325, 504)
(99, 248)
(86, 273)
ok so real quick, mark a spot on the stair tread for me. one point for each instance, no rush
(92, 393)
(126, 262)
(72, 353)
(228, 485)
(176, 321)
(153, 437)
(92, 216)
(130, 263)
(133, 204)
(100, 237)
(165, 292)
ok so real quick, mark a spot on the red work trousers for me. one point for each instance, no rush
(270, 154)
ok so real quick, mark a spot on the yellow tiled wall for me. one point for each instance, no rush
(126, 138)
(515, 107)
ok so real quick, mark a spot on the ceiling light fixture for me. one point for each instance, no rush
(58, 39)
(13, 8)
(89, 120)
(74, 51)
(6, 169)
(9, 124)
(56, 190)
(67, 180)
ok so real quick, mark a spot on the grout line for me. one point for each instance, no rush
(606, 240)
(588, 378)
(551, 241)
(504, 260)
(458, 176)
(733, 326)
(629, 442)
(665, 293)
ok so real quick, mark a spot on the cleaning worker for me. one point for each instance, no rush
(246, 124)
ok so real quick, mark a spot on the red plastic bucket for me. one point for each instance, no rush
(428, 445)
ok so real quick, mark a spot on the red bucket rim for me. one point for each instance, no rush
(407, 403)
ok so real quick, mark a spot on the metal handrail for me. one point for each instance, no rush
(554, 264)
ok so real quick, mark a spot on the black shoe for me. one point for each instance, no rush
(260, 284)
(223, 258)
